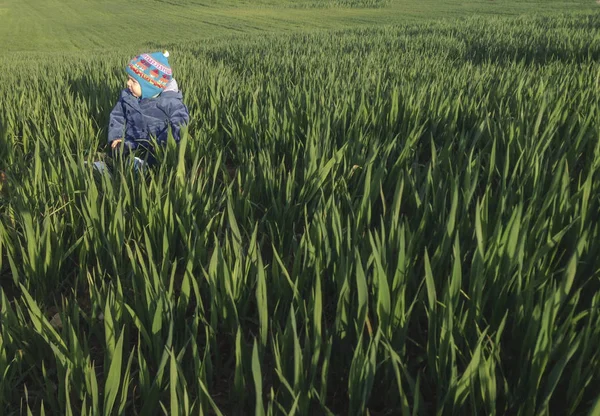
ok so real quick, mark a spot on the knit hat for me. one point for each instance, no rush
(152, 71)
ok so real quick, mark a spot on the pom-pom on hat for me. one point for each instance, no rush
(152, 71)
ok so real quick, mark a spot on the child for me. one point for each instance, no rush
(149, 106)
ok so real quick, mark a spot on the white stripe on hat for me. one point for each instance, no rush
(156, 64)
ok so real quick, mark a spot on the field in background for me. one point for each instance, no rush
(89, 25)
(370, 219)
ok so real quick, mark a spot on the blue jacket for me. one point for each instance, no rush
(138, 121)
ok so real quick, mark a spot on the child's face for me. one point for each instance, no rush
(134, 87)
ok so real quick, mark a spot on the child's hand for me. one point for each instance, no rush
(115, 143)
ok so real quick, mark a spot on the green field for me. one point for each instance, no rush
(382, 208)
(88, 25)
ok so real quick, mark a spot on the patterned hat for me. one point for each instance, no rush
(152, 71)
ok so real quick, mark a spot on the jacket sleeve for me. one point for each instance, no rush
(178, 117)
(116, 124)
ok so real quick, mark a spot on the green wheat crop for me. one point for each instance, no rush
(398, 220)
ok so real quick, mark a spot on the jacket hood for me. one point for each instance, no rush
(172, 86)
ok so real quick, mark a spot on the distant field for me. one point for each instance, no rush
(61, 25)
